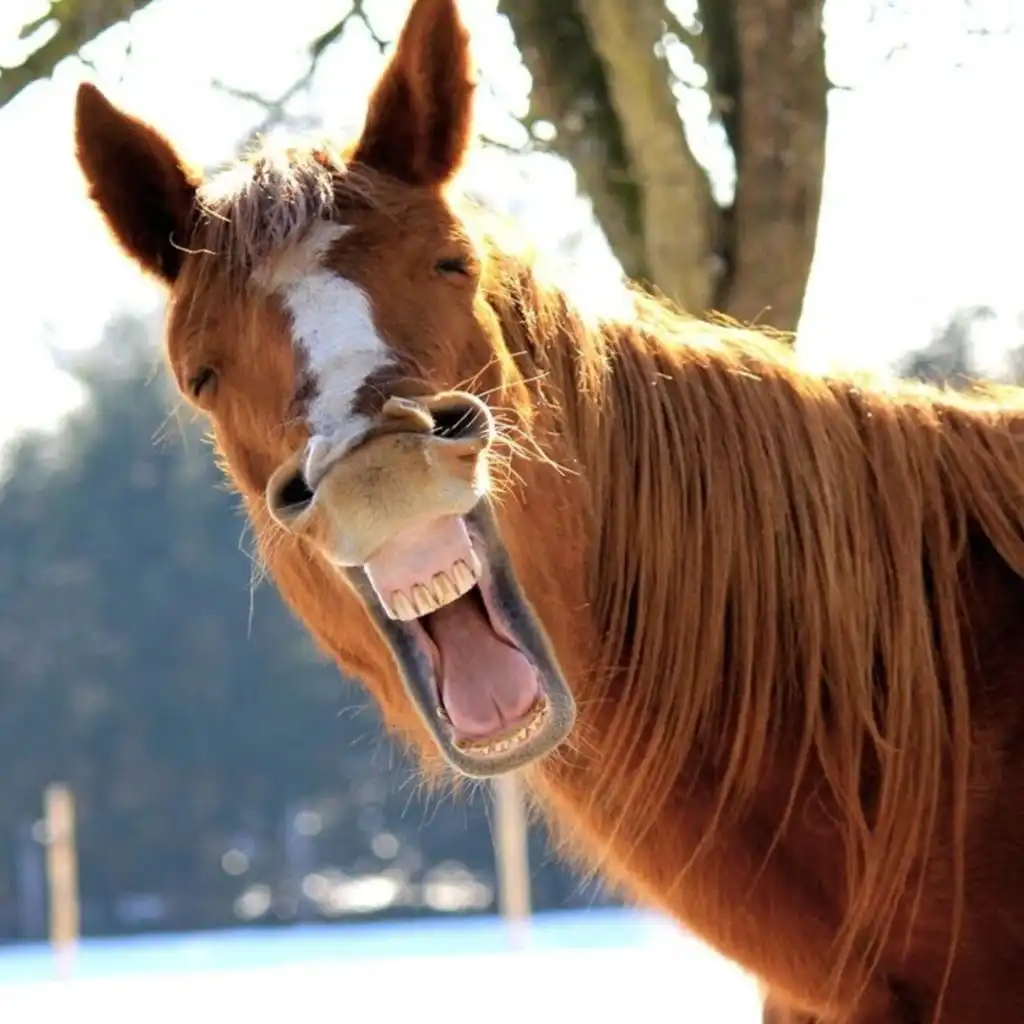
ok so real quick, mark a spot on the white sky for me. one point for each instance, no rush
(922, 209)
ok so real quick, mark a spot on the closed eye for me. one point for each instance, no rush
(453, 265)
(201, 381)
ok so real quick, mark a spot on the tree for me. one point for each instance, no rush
(609, 80)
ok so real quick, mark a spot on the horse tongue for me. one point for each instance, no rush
(486, 684)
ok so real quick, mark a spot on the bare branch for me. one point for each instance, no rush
(275, 108)
(78, 23)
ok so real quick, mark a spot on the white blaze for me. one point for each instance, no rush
(333, 330)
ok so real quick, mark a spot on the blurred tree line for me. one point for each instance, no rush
(223, 772)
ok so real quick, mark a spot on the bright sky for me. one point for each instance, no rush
(923, 209)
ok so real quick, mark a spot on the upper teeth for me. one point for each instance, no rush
(427, 596)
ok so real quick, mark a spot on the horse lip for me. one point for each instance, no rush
(556, 709)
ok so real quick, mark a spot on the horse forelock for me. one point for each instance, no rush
(267, 202)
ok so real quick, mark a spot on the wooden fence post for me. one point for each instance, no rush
(512, 855)
(62, 874)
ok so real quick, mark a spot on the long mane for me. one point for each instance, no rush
(777, 574)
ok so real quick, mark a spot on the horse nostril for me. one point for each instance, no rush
(289, 495)
(459, 420)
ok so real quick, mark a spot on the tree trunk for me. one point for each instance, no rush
(780, 157)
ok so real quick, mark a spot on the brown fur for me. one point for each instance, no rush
(787, 603)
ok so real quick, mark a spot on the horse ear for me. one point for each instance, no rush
(137, 180)
(420, 115)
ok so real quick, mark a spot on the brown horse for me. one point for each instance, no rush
(754, 636)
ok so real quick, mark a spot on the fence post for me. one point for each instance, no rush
(512, 856)
(62, 874)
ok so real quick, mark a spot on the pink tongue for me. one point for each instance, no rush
(486, 685)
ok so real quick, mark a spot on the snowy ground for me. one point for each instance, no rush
(666, 977)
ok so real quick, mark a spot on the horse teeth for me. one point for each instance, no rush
(423, 600)
(401, 606)
(444, 589)
(492, 747)
(464, 578)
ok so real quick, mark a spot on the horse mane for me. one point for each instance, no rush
(776, 550)
(775, 559)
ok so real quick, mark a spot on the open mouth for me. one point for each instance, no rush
(472, 655)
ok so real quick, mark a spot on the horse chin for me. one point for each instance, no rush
(446, 685)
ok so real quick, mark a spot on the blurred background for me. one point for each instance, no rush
(244, 831)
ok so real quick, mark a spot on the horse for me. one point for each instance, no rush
(750, 634)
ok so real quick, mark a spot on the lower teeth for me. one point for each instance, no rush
(509, 742)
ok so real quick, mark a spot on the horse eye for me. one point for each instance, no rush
(201, 381)
(453, 265)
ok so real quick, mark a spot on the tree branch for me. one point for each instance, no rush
(78, 22)
(275, 108)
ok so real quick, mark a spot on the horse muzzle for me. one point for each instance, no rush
(405, 513)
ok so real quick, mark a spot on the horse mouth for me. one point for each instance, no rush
(472, 655)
